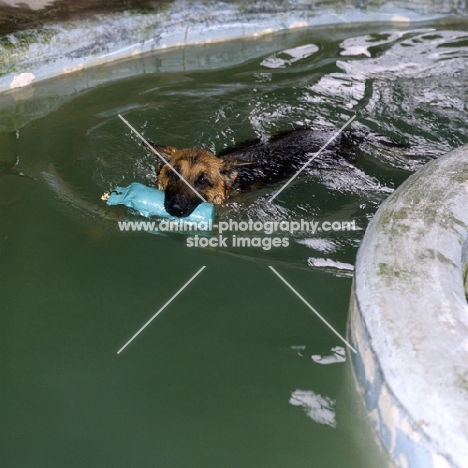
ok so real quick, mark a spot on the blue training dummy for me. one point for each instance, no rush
(149, 201)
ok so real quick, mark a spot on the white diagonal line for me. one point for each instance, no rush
(311, 159)
(311, 308)
(161, 309)
(161, 157)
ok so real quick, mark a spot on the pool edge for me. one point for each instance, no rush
(409, 317)
(74, 45)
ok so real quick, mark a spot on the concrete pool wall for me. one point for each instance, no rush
(408, 313)
(36, 44)
(409, 317)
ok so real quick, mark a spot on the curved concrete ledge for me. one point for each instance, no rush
(76, 44)
(409, 317)
(72, 49)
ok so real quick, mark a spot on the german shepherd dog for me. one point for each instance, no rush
(247, 166)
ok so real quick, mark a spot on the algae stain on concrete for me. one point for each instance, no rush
(15, 48)
(462, 381)
(465, 279)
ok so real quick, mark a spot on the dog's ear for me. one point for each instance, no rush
(166, 151)
(230, 169)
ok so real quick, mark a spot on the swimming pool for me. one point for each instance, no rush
(224, 375)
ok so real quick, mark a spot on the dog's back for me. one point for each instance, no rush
(285, 153)
(250, 165)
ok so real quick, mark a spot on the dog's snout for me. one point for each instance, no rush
(176, 209)
(179, 205)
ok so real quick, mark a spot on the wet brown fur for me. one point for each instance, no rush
(211, 176)
(248, 166)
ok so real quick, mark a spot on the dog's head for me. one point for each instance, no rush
(210, 176)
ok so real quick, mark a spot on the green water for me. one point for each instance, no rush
(213, 381)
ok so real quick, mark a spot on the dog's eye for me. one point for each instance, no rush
(202, 181)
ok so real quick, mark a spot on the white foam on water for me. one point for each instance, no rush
(293, 55)
(339, 269)
(320, 409)
(320, 244)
